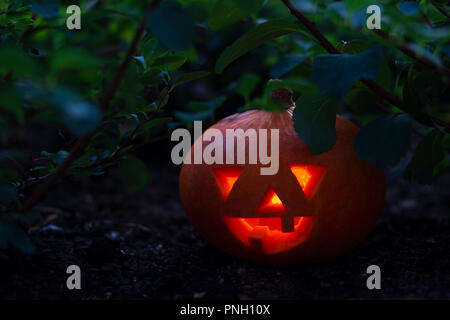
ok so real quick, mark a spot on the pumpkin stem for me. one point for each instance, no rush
(283, 96)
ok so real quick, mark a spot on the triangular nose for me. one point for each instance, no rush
(271, 202)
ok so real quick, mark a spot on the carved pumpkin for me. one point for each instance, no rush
(314, 208)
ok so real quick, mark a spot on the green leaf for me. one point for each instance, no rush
(199, 10)
(172, 26)
(92, 17)
(190, 76)
(16, 61)
(153, 123)
(223, 14)
(286, 64)
(173, 62)
(149, 49)
(257, 36)
(200, 106)
(134, 173)
(385, 140)
(429, 153)
(296, 84)
(79, 115)
(247, 6)
(163, 99)
(353, 46)
(104, 140)
(60, 157)
(266, 103)
(72, 58)
(383, 77)
(12, 234)
(335, 74)
(153, 76)
(314, 121)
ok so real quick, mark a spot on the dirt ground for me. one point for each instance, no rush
(139, 245)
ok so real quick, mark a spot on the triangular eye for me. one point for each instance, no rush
(308, 177)
(271, 202)
(225, 179)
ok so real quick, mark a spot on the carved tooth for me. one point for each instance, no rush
(287, 223)
(257, 235)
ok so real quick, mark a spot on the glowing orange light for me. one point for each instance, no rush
(267, 232)
(308, 177)
(302, 175)
(275, 201)
(271, 202)
(226, 178)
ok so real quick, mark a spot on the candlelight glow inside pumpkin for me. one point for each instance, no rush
(314, 207)
(266, 231)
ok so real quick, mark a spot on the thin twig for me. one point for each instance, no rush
(103, 105)
(311, 26)
(119, 154)
(413, 54)
(380, 91)
(123, 67)
(385, 110)
(42, 190)
(425, 18)
(444, 12)
(32, 181)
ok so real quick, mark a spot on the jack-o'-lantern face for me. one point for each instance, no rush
(272, 226)
(313, 208)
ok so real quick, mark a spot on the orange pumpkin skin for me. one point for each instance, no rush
(343, 207)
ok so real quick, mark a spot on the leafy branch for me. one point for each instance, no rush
(377, 89)
(84, 139)
(414, 55)
(444, 12)
(121, 71)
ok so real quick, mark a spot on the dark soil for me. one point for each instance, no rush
(139, 245)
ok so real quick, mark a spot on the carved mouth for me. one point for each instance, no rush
(270, 228)
(266, 235)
